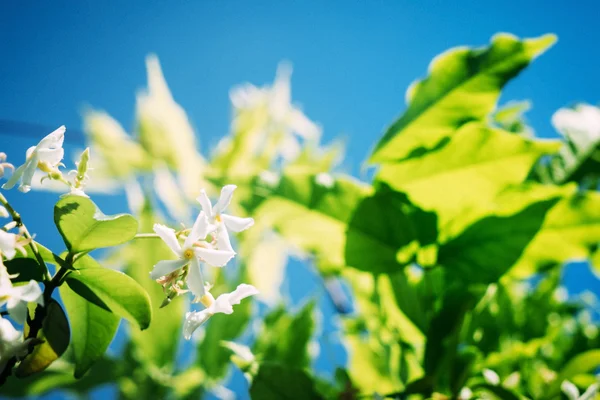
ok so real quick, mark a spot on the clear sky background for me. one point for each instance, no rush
(353, 61)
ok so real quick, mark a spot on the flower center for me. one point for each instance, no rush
(45, 167)
(207, 300)
(188, 254)
(218, 218)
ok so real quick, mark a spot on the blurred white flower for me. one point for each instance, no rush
(4, 165)
(46, 156)
(582, 122)
(223, 304)
(11, 343)
(169, 193)
(223, 222)
(572, 393)
(324, 179)
(16, 297)
(491, 377)
(194, 251)
(3, 212)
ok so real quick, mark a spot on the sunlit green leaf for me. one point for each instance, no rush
(463, 85)
(112, 290)
(55, 339)
(83, 226)
(93, 326)
(470, 169)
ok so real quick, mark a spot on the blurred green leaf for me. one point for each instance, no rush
(83, 227)
(54, 335)
(463, 85)
(285, 337)
(511, 117)
(475, 164)
(111, 290)
(284, 382)
(93, 326)
(157, 344)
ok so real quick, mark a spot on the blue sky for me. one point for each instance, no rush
(353, 61)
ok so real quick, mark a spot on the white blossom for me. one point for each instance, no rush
(16, 297)
(46, 156)
(491, 377)
(223, 304)
(572, 393)
(223, 222)
(194, 251)
(324, 179)
(11, 343)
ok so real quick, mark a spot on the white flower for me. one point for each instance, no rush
(3, 212)
(324, 179)
(17, 297)
(223, 304)
(572, 392)
(223, 222)
(582, 122)
(491, 377)
(11, 343)
(8, 244)
(46, 156)
(194, 251)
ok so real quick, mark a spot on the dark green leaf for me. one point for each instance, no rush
(283, 383)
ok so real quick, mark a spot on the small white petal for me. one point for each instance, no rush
(491, 377)
(199, 230)
(205, 203)
(3, 212)
(30, 167)
(590, 393)
(195, 280)
(51, 156)
(8, 242)
(193, 320)
(168, 236)
(54, 139)
(31, 292)
(570, 390)
(8, 333)
(225, 198)
(17, 310)
(216, 258)
(237, 224)
(241, 292)
(223, 242)
(222, 305)
(16, 176)
(165, 267)
(324, 179)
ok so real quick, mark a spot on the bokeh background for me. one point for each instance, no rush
(352, 64)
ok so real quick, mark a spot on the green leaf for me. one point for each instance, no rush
(83, 226)
(285, 337)
(580, 364)
(157, 344)
(511, 118)
(475, 164)
(282, 382)
(27, 266)
(463, 85)
(93, 328)
(55, 336)
(309, 215)
(487, 249)
(111, 290)
(498, 391)
(386, 231)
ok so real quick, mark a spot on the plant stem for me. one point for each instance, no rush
(17, 219)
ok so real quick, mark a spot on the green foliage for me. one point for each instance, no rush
(275, 381)
(83, 227)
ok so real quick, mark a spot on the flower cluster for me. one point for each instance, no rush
(14, 298)
(46, 158)
(206, 243)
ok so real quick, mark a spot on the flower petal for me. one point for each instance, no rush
(165, 267)
(223, 242)
(30, 167)
(199, 230)
(8, 242)
(51, 156)
(222, 305)
(237, 224)
(216, 258)
(205, 203)
(193, 320)
(224, 199)
(30, 292)
(168, 236)
(195, 280)
(15, 177)
(17, 311)
(54, 139)
(8, 333)
(241, 292)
